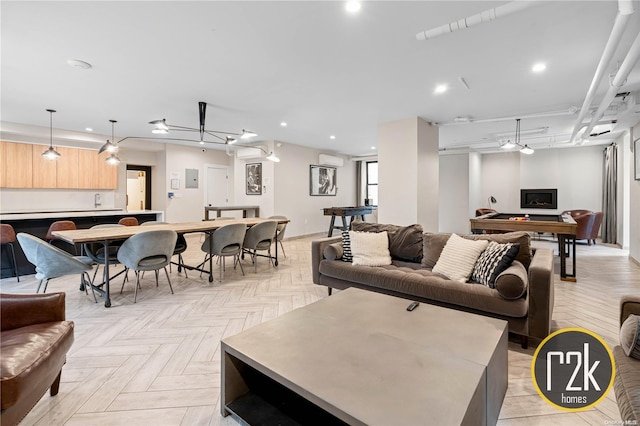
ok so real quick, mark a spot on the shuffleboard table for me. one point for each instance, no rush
(564, 226)
(344, 212)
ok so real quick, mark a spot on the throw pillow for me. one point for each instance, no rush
(333, 251)
(346, 247)
(495, 259)
(512, 283)
(405, 242)
(458, 257)
(630, 336)
(370, 248)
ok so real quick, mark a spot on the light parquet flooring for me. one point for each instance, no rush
(157, 362)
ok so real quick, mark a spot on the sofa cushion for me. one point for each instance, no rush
(333, 251)
(347, 256)
(627, 385)
(458, 258)
(411, 279)
(370, 248)
(630, 336)
(495, 259)
(512, 283)
(405, 242)
(433, 243)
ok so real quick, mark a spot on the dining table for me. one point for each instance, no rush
(108, 235)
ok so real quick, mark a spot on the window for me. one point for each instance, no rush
(372, 182)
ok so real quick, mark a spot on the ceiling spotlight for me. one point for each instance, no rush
(272, 157)
(373, 147)
(76, 63)
(332, 137)
(526, 150)
(88, 129)
(508, 144)
(440, 88)
(246, 134)
(230, 140)
(539, 67)
(353, 6)
(110, 146)
(283, 124)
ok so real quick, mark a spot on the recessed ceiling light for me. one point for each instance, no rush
(76, 63)
(283, 124)
(539, 67)
(89, 129)
(332, 137)
(373, 147)
(440, 88)
(353, 6)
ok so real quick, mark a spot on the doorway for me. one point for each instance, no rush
(217, 179)
(138, 187)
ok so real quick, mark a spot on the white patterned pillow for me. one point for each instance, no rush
(493, 261)
(458, 257)
(370, 248)
(346, 247)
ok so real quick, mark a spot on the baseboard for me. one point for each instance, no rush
(634, 260)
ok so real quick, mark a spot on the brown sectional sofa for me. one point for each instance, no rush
(527, 310)
(627, 382)
(34, 342)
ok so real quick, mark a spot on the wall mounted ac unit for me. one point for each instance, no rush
(330, 160)
(250, 153)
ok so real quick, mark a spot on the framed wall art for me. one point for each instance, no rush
(322, 180)
(254, 179)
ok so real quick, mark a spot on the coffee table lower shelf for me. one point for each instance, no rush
(270, 403)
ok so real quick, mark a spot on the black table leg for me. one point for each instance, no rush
(333, 221)
(345, 227)
(564, 249)
(211, 256)
(107, 294)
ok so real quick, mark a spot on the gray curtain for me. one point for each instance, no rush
(359, 188)
(609, 191)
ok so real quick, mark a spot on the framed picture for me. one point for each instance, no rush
(636, 158)
(322, 180)
(254, 179)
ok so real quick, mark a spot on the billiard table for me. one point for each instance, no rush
(564, 226)
(344, 212)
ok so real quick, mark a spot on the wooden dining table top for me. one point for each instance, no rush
(121, 232)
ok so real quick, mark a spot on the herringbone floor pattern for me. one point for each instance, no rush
(157, 362)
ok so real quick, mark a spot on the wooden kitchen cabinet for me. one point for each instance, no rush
(18, 165)
(43, 169)
(67, 172)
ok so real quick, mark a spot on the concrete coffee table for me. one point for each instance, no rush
(360, 357)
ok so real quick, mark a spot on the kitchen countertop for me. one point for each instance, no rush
(53, 214)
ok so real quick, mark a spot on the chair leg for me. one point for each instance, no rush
(255, 261)
(282, 248)
(168, 279)
(86, 283)
(46, 283)
(156, 271)
(240, 263)
(15, 265)
(221, 269)
(135, 294)
(55, 386)
(125, 278)
(39, 284)
(181, 263)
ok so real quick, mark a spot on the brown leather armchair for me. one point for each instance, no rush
(482, 211)
(588, 224)
(34, 340)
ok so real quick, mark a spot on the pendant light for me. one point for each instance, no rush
(111, 147)
(51, 153)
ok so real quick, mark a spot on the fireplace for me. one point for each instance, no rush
(538, 198)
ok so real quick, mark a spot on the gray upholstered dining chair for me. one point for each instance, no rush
(52, 262)
(148, 251)
(181, 246)
(280, 230)
(227, 241)
(260, 237)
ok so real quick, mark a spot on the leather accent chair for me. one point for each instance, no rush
(34, 341)
(60, 225)
(482, 211)
(7, 238)
(588, 224)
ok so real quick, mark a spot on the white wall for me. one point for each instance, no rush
(266, 199)
(501, 179)
(454, 193)
(634, 207)
(188, 203)
(291, 194)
